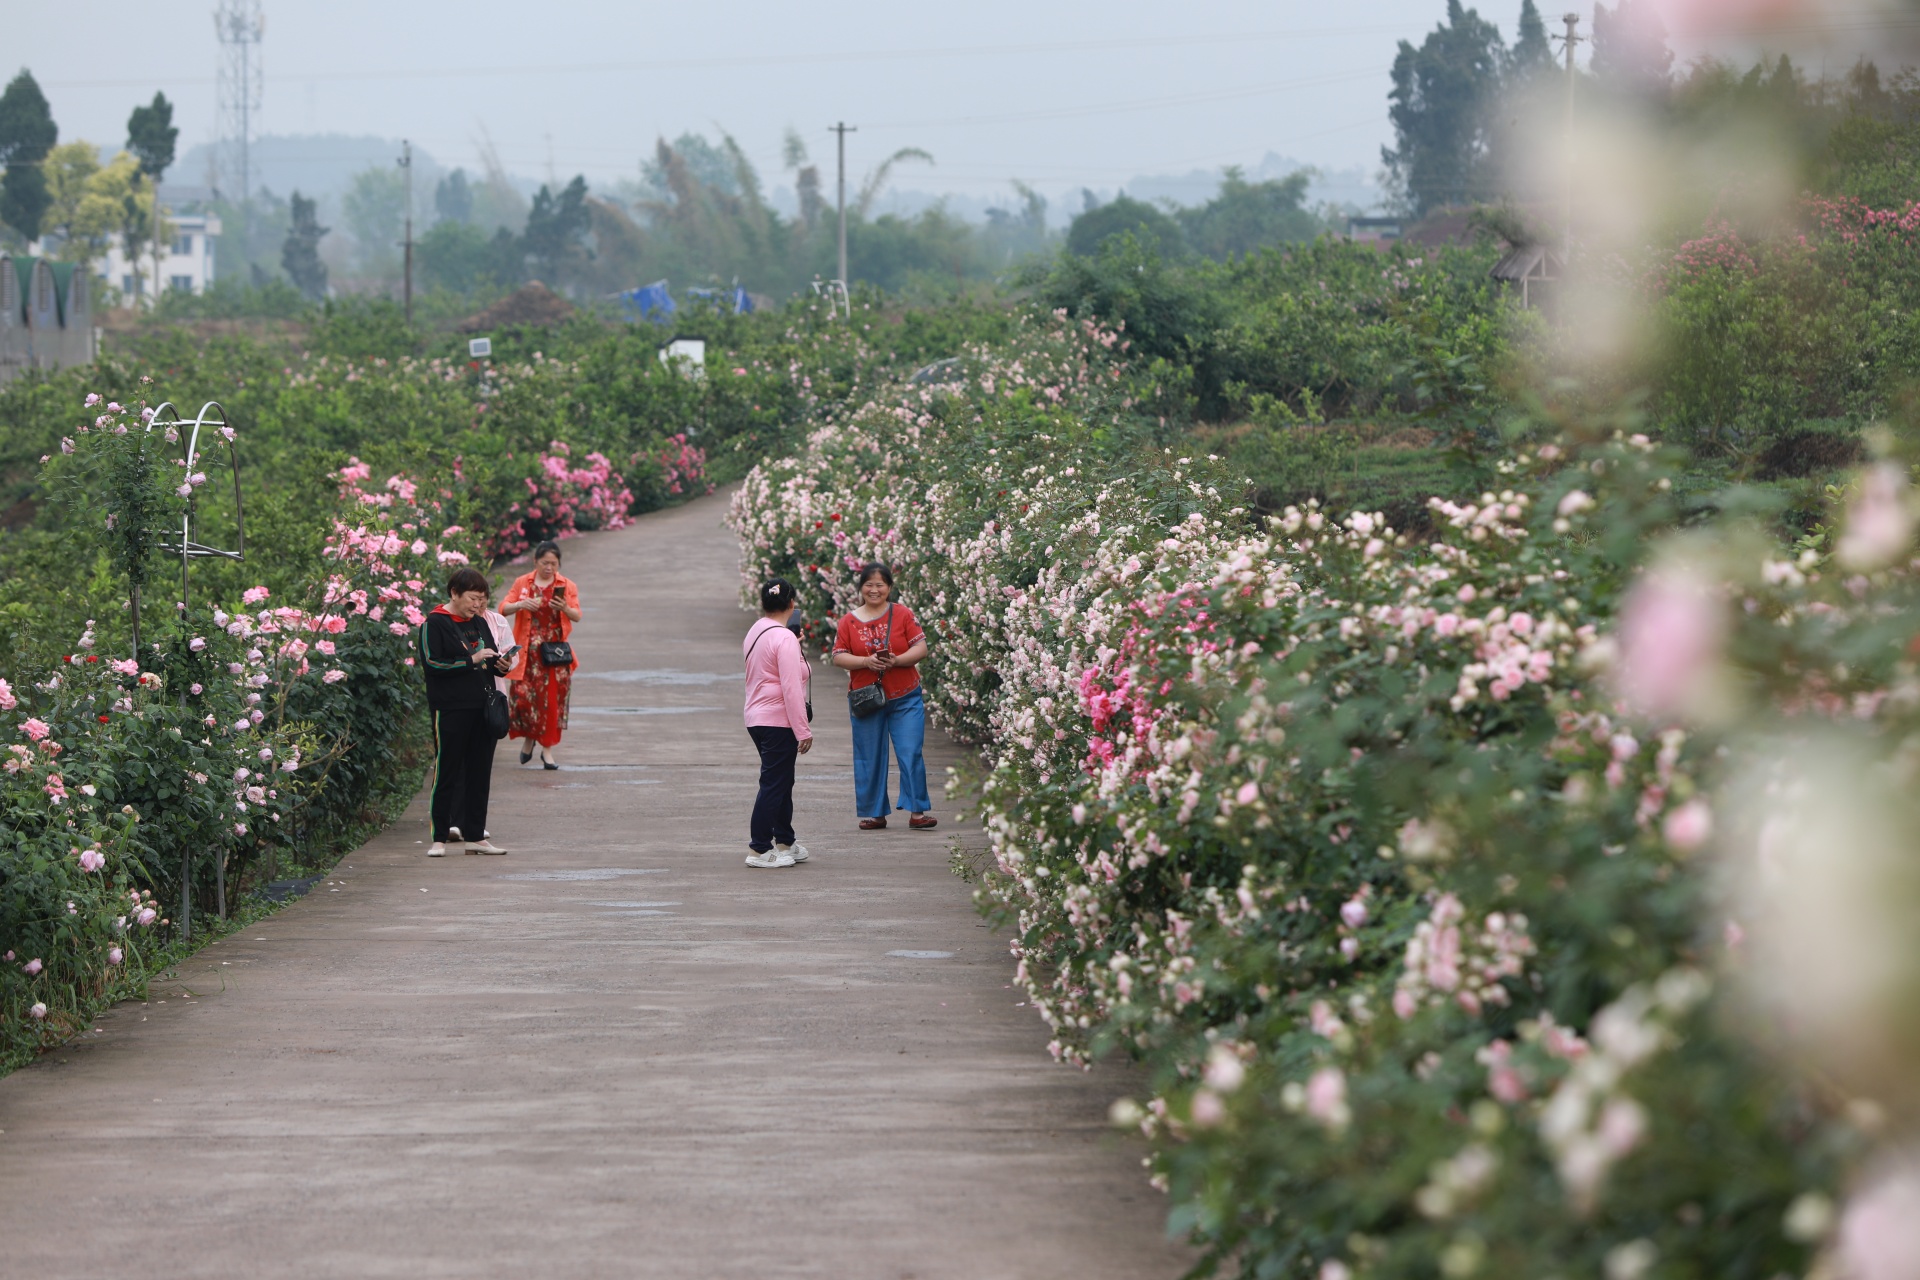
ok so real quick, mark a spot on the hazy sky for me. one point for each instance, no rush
(1059, 93)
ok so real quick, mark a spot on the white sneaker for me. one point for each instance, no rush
(485, 846)
(771, 858)
(436, 850)
(796, 850)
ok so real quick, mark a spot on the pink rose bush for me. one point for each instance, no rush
(1431, 832)
(562, 500)
(218, 751)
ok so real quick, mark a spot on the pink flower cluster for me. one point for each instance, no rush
(563, 500)
(683, 466)
(1471, 969)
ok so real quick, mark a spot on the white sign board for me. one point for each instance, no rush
(480, 348)
(691, 350)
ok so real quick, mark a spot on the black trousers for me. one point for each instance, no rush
(462, 772)
(773, 808)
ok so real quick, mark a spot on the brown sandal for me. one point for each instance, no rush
(873, 824)
(927, 823)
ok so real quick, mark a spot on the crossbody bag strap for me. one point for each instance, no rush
(755, 645)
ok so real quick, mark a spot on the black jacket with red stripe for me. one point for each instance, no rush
(446, 646)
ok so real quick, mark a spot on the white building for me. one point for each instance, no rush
(185, 264)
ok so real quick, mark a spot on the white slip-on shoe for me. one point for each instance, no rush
(485, 846)
(436, 850)
(796, 850)
(771, 858)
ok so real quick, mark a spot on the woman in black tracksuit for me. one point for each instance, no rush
(456, 653)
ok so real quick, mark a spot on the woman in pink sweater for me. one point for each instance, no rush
(777, 720)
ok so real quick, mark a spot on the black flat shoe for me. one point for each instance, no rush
(526, 755)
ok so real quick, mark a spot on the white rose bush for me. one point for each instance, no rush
(1521, 895)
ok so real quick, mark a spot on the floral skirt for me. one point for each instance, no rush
(537, 704)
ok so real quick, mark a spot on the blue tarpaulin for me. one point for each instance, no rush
(648, 302)
(742, 301)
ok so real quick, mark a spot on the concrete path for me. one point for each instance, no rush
(616, 1052)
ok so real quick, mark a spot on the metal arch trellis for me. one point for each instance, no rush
(211, 415)
(189, 549)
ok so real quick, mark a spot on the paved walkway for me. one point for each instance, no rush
(617, 1052)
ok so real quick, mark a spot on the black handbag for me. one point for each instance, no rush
(869, 698)
(555, 653)
(498, 721)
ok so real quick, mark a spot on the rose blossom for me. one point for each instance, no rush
(1879, 525)
(1879, 1236)
(1326, 1099)
(1671, 630)
(1688, 827)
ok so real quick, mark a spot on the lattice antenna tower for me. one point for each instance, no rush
(240, 26)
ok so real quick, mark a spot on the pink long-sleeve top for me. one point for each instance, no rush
(776, 678)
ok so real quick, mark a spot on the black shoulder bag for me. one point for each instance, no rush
(556, 653)
(498, 720)
(869, 698)
(809, 699)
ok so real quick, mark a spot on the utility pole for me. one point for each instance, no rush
(843, 130)
(1571, 39)
(406, 269)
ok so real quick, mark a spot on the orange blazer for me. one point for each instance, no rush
(523, 588)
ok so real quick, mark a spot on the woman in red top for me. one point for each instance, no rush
(544, 606)
(882, 641)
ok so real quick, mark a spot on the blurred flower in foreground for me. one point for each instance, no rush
(1821, 877)
(1879, 522)
(1667, 659)
(1880, 1230)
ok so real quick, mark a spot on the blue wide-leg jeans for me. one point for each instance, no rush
(903, 722)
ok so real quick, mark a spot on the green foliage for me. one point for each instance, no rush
(123, 476)
(233, 300)
(151, 135)
(1160, 307)
(1241, 218)
(27, 134)
(300, 256)
(1327, 329)
(462, 259)
(1149, 227)
(1443, 106)
(557, 225)
(374, 209)
(365, 329)
(1245, 216)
